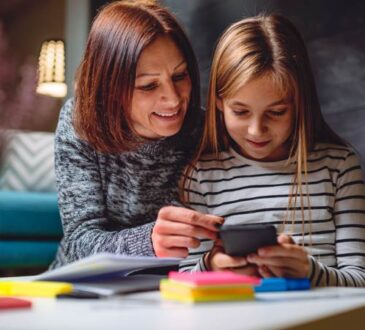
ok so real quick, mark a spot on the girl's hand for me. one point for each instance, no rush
(177, 229)
(284, 260)
(217, 260)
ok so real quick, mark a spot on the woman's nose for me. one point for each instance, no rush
(170, 95)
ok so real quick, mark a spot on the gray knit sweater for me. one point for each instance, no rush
(109, 202)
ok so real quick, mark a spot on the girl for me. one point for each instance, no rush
(122, 143)
(267, 156)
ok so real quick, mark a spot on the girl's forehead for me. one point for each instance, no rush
(267, 86)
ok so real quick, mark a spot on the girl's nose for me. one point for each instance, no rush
(257, 127)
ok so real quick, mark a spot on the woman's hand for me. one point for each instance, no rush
(284, 260)
(177, 229)
(217, 260)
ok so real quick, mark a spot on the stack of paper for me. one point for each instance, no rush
(208, 287)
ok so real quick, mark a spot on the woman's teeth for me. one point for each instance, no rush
(162, 114)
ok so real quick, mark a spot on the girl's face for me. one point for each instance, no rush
(162, 89)
(259, 120)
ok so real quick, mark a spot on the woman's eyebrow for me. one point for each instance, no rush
(181, 63)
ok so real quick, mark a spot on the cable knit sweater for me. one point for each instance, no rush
(109, 202)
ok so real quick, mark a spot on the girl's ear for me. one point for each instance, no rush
(219, 103)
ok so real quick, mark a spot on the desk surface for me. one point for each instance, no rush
(148, 311)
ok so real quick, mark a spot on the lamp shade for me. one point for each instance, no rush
(51, 69)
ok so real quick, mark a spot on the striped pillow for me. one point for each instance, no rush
(28, 162)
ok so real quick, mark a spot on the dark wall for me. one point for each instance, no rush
(335, 35)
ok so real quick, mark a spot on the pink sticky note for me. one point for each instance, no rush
(11, 303)
(214, 278)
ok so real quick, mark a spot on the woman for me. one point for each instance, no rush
(122, 144)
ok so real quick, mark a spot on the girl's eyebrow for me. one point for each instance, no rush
(279, 102)
(157, 74)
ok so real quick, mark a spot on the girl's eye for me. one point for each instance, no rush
(278, 113)
(148, 87)
(240, 112)
(180, 76)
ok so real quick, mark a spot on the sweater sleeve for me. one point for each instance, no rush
(82, 205)
(195, 260)
(349, 219)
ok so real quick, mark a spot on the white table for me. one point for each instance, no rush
(304, 310)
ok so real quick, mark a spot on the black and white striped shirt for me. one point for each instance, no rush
(251, 192)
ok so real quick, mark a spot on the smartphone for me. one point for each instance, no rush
(241, 240)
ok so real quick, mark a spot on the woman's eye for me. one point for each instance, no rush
(148, 87)
(180, 76)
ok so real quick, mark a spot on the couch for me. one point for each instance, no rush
(30, 225)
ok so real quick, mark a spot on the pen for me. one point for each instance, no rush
(76, 294)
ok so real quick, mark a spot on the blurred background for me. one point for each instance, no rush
(333, 30)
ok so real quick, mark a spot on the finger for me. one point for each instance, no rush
(218, 243)
(172, 253)
(265, 272)
(164, 227)
(180, 214)
(223, 260)
(285, 250)
(250, 270)
(289, 263)
(172, 241)
(285, 239)
(276, 271)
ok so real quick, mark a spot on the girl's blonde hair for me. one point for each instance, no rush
(270, 46)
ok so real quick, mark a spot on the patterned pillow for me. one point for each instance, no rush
(28, 162)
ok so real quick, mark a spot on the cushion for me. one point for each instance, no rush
(28, 162)
(29, 214)
(27, 253)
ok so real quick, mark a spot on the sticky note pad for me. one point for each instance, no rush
(34, 289)
(13, 303)
(213, 278)
(272, 284)
(282, 284)
(298, 283)
(189, 292)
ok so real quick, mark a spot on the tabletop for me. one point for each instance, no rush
(286, 310)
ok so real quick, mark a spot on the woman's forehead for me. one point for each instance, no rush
(161, 53)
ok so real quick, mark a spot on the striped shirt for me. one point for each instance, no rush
(244, 191)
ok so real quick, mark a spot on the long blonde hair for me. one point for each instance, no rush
(270, 46)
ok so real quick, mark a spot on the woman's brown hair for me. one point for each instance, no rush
(106, 76)
(270, 46)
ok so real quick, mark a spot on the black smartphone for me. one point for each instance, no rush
(241, 240)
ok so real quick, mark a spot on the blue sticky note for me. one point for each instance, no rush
(272, 284)
(298, 283)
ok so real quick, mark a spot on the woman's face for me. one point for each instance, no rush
(162, 89)
(259, 120)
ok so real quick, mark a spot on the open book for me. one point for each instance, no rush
(104, 265)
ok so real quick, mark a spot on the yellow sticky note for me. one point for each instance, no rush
(34, 289)
(187, 293)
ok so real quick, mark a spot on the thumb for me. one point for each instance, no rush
(285, 239)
